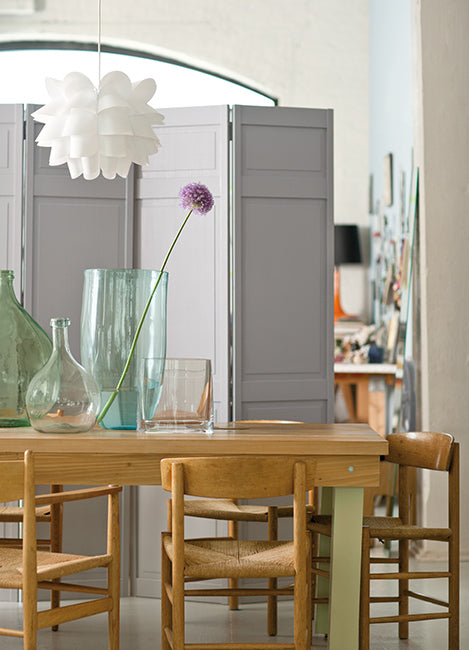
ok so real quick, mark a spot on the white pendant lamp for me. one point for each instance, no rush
(99, 130)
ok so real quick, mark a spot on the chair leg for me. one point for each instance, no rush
(309, 591)
(403, 588)
(113, 545)
(272, 524)
(166, 608)
(56, 531)
(301, 624)
(233, 582)
(314, 553)
(113, 616)
(364, 624)
(453, 600)
(30, 617)
(454, 550)
(177, 581)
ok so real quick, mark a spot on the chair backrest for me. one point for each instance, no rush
(425, 449)
(238, 477)
(11, 480)
(17, 482)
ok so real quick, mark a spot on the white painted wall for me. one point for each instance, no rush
(443, 143)
(308, 54)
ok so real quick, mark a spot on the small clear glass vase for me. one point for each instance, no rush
(24, 349)
(62, 397)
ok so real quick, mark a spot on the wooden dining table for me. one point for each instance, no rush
(347, 458)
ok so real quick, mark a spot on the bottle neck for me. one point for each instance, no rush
(60, 338)
(6, 287)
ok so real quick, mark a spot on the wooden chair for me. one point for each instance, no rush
(50, 514)
(201, 559)
(229, 510)
(30, 569)
(427, 450)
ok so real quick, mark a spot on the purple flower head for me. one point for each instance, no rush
(196, 197)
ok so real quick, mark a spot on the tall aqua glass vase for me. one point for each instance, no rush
(113, 303)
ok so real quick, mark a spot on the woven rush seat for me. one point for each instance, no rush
(385, 528)
(49, 565)
(206, 558)
(393, 528)
(228, 510)
(224, 509)
(14, 514)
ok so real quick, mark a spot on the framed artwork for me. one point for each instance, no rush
(393, 334)
(406, 268)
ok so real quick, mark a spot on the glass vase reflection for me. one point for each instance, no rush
(62, 397)
(113, 303)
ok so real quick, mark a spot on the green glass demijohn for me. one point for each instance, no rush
(24, 349)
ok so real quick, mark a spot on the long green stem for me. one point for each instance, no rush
(114, 393)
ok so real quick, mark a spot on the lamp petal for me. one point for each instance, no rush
(123, 166)
(110, 100)
(75, 167)
(141, 126)
(90, 166)
(51, 130)
(108, 166)
(113, 145)
(143, 91)
(114, 121)
(83, 145)
(115, 81)
(77, 81)
(80, 122)
(54, 87)
(55, 159)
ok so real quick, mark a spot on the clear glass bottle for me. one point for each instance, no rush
(24, 349)
(62, 397)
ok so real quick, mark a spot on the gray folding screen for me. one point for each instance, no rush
(250, 283)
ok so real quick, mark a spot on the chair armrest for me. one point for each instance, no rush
(77, 495)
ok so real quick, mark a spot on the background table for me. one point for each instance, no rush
(347, 460)
(373, 387)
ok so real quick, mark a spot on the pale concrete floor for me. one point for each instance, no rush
(140, 626)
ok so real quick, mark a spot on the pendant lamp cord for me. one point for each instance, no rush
(99, 44)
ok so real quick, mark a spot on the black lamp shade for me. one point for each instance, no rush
(346, 245)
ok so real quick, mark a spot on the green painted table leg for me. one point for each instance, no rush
(321, 619)
(344, 609)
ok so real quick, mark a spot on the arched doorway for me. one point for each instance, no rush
(26, 64)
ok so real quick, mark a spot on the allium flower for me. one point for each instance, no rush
(195, 198)
(99, 130)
